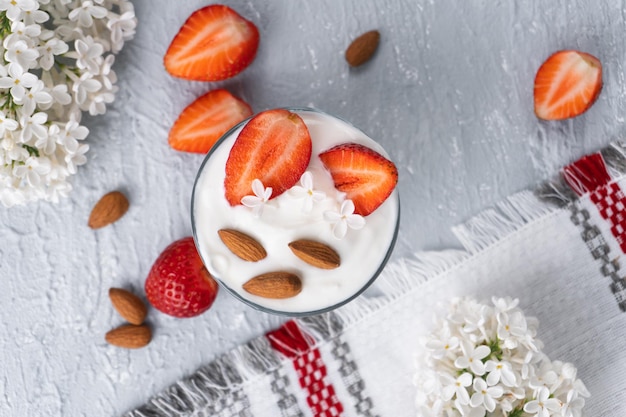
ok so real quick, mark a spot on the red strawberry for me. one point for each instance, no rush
(275, 147)
(567, 84)
(366, 176)
(215, 43)
(178, 283)
(205, 120)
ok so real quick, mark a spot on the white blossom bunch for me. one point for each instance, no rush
(485, 361)
(56, 59)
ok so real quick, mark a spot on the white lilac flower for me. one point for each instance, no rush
(17, 81)
(48, 143)
(500, 371)
(99, 101)
(543, 405)
(19, 52)
(13, 150)
(573, 405)
(122, 28)
(344, 219)
(472, 357)
(36, 16)
(257, 201)
(6, 124)
(85, 14)
(306, 192)
(75, 131)
(83, 87)
(32, 170)
(456, 387)
(24, 30)
(76, 158)
(443, 345)
(49, 50)
(107, 75)
(512, 328)
(15, 8)
(89, 54)
(497, 380)
(36, 96)
(33, 126)
(485, 396)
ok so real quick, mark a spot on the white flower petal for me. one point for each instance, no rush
(251, 201)
(257, 188)
(340, 229)
(17, 91)
(355, 221)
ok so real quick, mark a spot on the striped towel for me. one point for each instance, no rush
(558, 248)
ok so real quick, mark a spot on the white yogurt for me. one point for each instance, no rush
(283, 220)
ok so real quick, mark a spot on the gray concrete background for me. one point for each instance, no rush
(448, 94)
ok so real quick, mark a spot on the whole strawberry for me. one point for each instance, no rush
(178, 283)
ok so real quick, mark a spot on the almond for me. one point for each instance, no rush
(108, 209)
(315, 253)
(362, 48)
(278, 284)
(128, 305)
(129, 336)
(242, 245)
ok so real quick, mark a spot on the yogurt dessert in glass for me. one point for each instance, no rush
(295, 211)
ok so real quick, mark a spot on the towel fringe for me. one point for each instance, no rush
(495, 223)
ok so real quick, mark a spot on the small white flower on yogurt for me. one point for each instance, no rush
(344, 219)
(306, 192)
(257, 201)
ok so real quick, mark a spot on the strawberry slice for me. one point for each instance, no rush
(205, 120)
(215, 43)
(366, 176)
(567, 84)
(274, 147)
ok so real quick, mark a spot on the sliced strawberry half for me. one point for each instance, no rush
(366, 176)
(205, 120)
(274, 147)
(215, 43)
(567, 84)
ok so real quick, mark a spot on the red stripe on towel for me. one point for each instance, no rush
(589, 175)
(307, 361)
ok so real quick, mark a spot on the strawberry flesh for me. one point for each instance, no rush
(215, 43)
(567, 84)
(366, 176)
(178, 284)
(205, 120)
(274, 147)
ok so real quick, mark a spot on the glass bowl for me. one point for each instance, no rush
(363, 252)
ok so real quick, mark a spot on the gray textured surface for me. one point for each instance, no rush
(448, 94)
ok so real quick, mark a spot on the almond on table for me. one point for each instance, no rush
(215, 43)
(109, 209)
(128, 305)
(205, 120)
(362, 48)
(129, 336)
